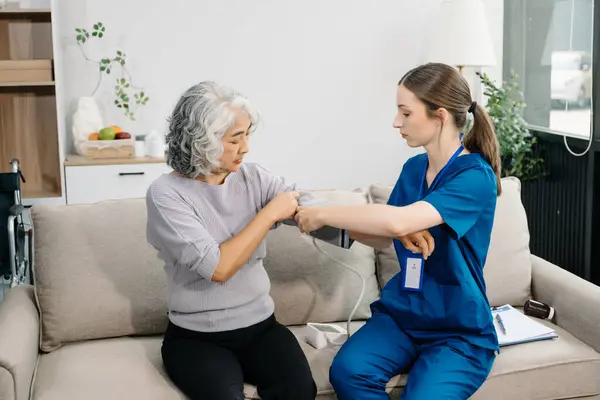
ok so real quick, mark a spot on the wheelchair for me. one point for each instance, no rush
(15, 233)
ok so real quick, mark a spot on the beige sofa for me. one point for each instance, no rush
(91, 328)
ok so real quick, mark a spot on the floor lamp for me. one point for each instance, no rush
(461, 37)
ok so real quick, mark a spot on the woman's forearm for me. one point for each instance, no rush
(371, 219)
(381, 220)
(236, 251)
(377, 242)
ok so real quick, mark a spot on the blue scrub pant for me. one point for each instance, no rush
(380, 350)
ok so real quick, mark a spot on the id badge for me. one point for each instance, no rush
(413, 273)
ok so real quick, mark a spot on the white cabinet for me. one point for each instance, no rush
(91, 181)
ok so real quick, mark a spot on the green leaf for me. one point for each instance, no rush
(78, 30)
(117, 102)
(119, 53)
(108, 70)
(95, 34)
(505, 106)
(102, 68)
(79, 37)
(95, 26)
(100, 35)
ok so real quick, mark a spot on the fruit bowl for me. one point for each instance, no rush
(109, 142)
(120, 148)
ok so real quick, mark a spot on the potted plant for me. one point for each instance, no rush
(505, 106)
(127, 96)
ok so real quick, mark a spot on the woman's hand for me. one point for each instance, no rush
(308, 219)
(419, 242)
(283, 206)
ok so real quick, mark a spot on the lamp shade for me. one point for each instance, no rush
(461, 35)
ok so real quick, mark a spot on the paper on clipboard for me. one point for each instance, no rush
(519, 327)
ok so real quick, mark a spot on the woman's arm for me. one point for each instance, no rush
(371, 219)
(237, 250)
(377, 242)
(420, 242)
(457, 203)
(180, 236)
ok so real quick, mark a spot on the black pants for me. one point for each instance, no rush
(214, 366)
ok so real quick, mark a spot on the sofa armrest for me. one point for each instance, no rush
(576, 301)
(19, 342)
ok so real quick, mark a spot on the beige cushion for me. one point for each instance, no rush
(308, 286)
(96, 276)
(131, 368)
(508, 267)
(507, 271)
(115, 369)
(561, 368)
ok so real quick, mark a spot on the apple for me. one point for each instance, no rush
(107, 134)
(122, 135)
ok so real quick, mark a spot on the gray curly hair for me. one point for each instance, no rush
(201, 117)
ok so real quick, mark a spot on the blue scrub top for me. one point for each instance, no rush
(453, 301)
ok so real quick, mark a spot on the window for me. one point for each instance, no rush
(548, 43)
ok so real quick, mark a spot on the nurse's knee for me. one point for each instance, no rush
(350, 371)
(345, 368)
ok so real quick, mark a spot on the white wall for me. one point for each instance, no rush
(323, 73)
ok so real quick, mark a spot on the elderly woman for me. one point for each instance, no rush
(208, 220)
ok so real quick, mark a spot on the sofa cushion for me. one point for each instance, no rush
(307, 285)
(507, 270)
(96, 276)
(561, 368)
(131, 368)
(119, 369)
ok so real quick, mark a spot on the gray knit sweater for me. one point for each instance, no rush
(187, 221)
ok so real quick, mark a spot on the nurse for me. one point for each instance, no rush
(433, 318)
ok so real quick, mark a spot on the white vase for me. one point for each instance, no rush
(86, 120)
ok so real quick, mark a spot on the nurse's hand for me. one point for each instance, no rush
(419, 242)
(308, 218)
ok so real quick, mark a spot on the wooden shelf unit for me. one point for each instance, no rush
(26, 84)
(24, 11)
(28, 111)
